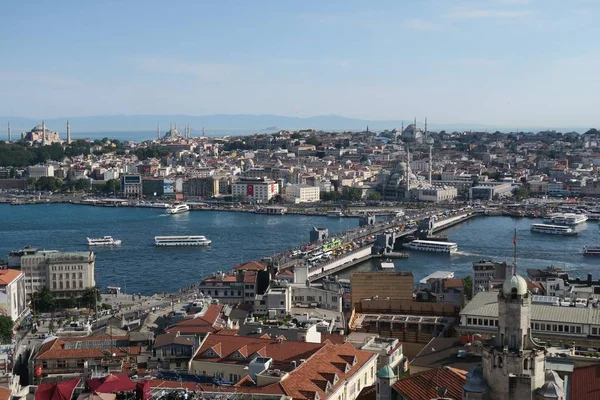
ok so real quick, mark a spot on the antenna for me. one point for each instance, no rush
(515, 251)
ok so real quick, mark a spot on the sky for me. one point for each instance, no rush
(511, 62)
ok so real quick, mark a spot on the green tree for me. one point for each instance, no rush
(6, 329)
(82, 184)
(71, 302)
(12, 173)
(351, 193)
(31, 183)
(374, 196)
(296, 135)
(112, 186)
(44, 301)
(522, 192)
(90, 297)
(313, 140)
(468, 286)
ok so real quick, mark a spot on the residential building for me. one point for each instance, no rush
(131, 185)
(209, 319)
(66, 274)
(173, 351)
(302, 193)
(389, 352)
(486, 271)
(39, 171)
(259, 190)
(13, 301)
(299, 370)
(201, 187)
(100, 354)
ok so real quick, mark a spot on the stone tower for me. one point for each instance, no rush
(385, 379)
(43, 133)
(68, 132)
(513, 364)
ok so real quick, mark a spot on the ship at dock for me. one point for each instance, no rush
(178, 241)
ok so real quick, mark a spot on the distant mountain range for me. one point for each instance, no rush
(242, 123)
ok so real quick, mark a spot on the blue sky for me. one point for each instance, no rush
(524, 62)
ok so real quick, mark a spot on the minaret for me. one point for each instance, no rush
(9, 133)
(407, 167)
(430, 159)
(425, 127)
(158, 131)
(415, 123)
(202, 131)
(68, 132)
(43, 133)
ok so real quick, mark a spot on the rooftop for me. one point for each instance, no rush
(428, 385)
(485, 304)
(9, 275)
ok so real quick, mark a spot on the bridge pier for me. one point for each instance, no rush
(366, 221)
(318, 234)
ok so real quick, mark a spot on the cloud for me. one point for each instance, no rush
(489, 14)
(207, 72)
(420, 24)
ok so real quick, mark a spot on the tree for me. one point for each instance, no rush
(90, 297)
(44, 301)
(112, 186)
(71, 302)
(31, 183)
(295, 135)
(313, 140)
(468, 286)
(351, 193)
(82, 184)
(522, 192)
(6, 329)
(374, 196)
(13, 173)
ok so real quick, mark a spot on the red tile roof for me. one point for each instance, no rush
(206, 323)
(55, 349)
(585, 383)
(9, 275)
(281, 353)
(251, 266)
(424, 385)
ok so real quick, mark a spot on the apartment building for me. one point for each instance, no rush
(66, 274)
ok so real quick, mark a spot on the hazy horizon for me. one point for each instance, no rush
(488, 62)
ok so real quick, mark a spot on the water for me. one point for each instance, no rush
(492, 238)
(137, 264)
(240, 237)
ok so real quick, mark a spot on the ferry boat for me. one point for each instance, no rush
(178, 209)
(432, 246)
(103, 241)
(553, 229)
(181, 241)
(591, 250)
(568, 219)
(335, 214)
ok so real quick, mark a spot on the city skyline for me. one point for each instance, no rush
(497, 62)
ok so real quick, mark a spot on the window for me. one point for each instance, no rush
(560, 328)
(554, 328)
(67, 284)
(571, 329)
(468, 321)
(578, 329)
(536, 326)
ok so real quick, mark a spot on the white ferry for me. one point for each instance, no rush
(103, 241)
(178, 209)
(386, 266)
(569, 219)
(432, 246)
(181, 241)
(335, 214)
(553, 229)
(591, 250)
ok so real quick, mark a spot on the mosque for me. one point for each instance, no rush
(173, 135)
(40, 135)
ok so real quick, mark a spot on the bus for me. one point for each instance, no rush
(332, 244)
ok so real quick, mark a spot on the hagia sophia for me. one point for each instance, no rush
(42, 136)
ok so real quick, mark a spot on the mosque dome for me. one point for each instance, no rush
(38, 128)
(401, 166)
(386, 372)
(514, 284)
(367, 162)
(173, 133)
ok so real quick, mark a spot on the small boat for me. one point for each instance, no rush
(178, 209)
(386, 266)
(335, 214)
(103, 241)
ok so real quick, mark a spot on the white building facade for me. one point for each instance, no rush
(39, 171)
(302, 193)
(259, 190)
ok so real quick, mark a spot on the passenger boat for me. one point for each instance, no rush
(591, 250)
(553, 229)
(335, 214)
(178, 209)
(103, 241)
(181, 241)
(432, 246)
(568, 219)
